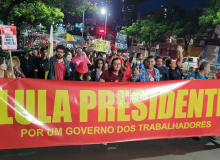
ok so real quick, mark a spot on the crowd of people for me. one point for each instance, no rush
(80, 64)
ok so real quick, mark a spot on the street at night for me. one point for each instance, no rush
(168, 149)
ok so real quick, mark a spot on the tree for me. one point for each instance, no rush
(211, 16)
(175, 21)
(183, 24)
(70, 6)
(148, 32)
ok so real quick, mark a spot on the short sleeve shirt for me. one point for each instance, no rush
(175, 74)
(113, 78)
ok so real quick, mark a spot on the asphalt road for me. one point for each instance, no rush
(168, 149)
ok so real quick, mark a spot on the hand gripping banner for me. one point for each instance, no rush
(42, 113)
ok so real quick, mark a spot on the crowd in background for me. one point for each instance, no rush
(81, 64)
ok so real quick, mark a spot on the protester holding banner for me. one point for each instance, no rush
(164, 74)
(204, 69)
(82, 73)
(114, 73)
(175, 72)
(58, 66)
(148, 73)
(3, 68)
(78, 58)
(99, 69)
(28, 63)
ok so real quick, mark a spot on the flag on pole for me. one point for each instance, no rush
(51, 41)
(127, 74)
(50, 47)
(70, 38)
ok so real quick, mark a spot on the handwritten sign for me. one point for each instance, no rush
(101, 45)
(9, 39)
(121, 41)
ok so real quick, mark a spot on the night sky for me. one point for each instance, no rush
(186, 4)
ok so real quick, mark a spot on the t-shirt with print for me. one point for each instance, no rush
(151, 76)
(76, 60)
(114, 78)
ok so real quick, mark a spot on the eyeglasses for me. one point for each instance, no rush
(117, 64)
(59, 52)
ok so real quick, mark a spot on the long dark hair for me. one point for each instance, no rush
(120, 74)
(168, 62)
(131, 58)
(77, 75)
(2, 61)
(97, 61)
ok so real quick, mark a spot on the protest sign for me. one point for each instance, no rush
(9, 39)
(121, 41)
(81, 113)
(101, 45)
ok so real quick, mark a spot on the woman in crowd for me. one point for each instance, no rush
(3, 68)
(175, 72)
(99, 69)
(72, 66)
(17, 70)
(204, 70)
(114, 73)
(132, 60)
(81, 73)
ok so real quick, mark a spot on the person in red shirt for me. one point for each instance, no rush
(114, 54)
(114, 73)
(58, 66)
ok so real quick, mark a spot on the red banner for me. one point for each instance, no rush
(41, 113)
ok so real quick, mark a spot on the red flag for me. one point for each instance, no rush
(127, 74)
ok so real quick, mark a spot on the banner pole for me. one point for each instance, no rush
(11, 60)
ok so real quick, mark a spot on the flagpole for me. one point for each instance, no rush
(82, 28)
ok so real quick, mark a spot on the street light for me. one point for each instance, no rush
(103, 11)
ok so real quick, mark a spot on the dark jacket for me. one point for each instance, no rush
(164, 74)
(93, 75)
(28, 66)
(50, 65)
(72, 71)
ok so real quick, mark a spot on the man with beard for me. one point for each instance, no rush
(58, 66)
(164, 74)
(28, 63)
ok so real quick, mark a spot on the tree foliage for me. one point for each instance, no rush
(33, 13)
(211, 16)
(9, 7)
(175, 21)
